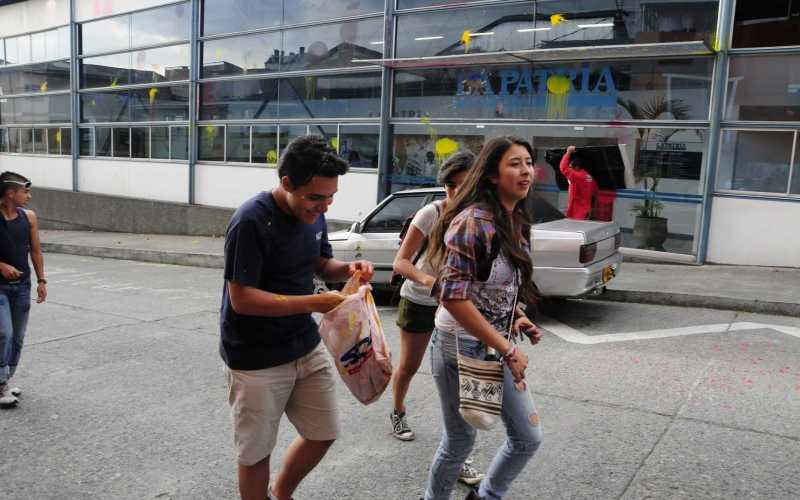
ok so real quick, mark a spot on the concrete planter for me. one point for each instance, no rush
(650, 232)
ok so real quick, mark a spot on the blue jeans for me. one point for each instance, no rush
(523, 432)
(15, 304)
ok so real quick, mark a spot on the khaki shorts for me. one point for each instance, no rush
(303, 389)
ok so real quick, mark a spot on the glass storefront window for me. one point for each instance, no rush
(354, 95)
(609, 90)
(287, 133)
(231, 16)
(212, 142)
(795, 187)
(159, 142)
(102, 143)
(150, 27)
(66, 141)
(241, 99)
(653, 171)
(756, 161)
(241, 55)
(764, 88)
(143, 66)
(410, 4)
(465, 31)
(86, 141)
(180, 143)
(301, 11)
(140, 142)
(13, 140)
(43, 77)
(265, 144)
(766, 24)
(332, 45)
(40, 141)
(36, 109)
(18, 50)
(153, 104)
(54, 138)
(3, 140)
(25, 140)
(552, 24)
(161, 25)
(621, 22)
(358, 144)
(122, 142)
(238, 144)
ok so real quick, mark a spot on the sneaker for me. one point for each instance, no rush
(400, 428)
(15, 391)
(469, 475)
(7, 399)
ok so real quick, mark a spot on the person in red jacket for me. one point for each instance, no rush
(582, 187)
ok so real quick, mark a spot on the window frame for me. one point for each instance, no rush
(793, 164)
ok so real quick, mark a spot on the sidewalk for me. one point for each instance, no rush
(751, 289)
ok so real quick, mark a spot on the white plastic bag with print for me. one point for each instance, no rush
(354, 336)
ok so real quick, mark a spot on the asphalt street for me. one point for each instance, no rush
(124, 398)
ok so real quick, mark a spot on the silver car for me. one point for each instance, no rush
(571, 258)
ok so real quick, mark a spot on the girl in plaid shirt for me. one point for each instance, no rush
(481, 244)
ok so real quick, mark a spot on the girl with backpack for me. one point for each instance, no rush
(481, 245)
(417, 308)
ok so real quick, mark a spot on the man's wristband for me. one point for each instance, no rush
(42, 281)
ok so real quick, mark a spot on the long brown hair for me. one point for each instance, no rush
(478, 189)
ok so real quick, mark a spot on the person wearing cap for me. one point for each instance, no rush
(19, 238)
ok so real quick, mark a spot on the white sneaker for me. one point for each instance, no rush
(7, 398)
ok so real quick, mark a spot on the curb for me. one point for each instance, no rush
(635, 296)
(700, 301)
(153, 256)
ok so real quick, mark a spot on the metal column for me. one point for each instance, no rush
(74, 98)
(385, 143)
(194, 76)
(718, 90)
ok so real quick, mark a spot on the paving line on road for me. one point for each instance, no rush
(78, 334)
(575, 336)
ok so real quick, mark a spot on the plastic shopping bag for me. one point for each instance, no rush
(354, 336)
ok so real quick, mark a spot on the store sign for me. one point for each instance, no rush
(577, 87)
(671, 146)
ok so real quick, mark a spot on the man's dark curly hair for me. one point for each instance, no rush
(308, 156)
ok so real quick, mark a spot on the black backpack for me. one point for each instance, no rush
(397, 278)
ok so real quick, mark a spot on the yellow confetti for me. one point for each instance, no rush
(272, 156)
(152, 93)
(558, 87)
(43, 86)
(115, 81)
(466, 39)
(557, 19)
(444, 147)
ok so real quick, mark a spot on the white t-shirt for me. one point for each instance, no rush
(423, 220)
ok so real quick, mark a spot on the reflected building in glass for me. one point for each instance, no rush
(687, 111)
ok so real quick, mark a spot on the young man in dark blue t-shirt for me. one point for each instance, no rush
(275, 361)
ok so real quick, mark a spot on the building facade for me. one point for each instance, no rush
(687, 112)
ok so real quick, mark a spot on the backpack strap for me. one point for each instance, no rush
(424, 245)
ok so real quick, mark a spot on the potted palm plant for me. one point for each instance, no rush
(649, 228)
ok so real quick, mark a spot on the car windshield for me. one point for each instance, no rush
(393, 215)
